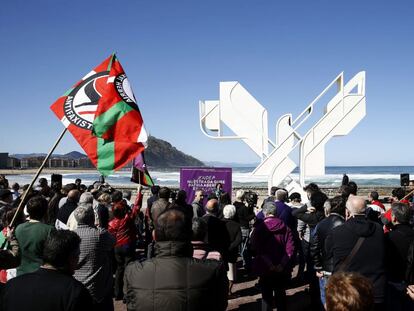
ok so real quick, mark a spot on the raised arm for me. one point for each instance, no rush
(138, 202)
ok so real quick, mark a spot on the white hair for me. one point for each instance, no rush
(239, 194)
(229, 211)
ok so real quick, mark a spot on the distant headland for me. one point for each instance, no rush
(159, 154)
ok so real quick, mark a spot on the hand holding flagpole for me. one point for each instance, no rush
(23, 200)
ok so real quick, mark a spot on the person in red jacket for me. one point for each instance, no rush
(123, 228)
(373, 196)
(397, 196)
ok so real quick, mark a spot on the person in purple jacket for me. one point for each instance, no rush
(284, 211)
(273, 245)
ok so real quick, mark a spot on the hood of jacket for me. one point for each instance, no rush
(274, 224)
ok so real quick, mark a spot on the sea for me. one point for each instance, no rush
(379, 176)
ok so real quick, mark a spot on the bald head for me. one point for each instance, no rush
(74, 195)
(356, 205)
(212, 206)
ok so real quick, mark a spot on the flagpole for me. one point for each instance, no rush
(36, 176)
(410, 193)
(139, 178)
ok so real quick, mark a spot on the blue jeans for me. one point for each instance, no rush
(322, 285)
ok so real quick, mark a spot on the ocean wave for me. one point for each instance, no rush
(239, 177)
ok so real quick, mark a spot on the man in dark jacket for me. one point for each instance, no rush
(52, 287)
(173, 280)
(217, 237)
(321, 255)
(397, 243)
(198, 207)
(154, 197)
(181, 204)
(244, 215)
(368, 260)
(160, 205)
(70, 205)
(311, 214)
(272, 196)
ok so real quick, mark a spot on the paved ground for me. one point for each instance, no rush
(247, 297)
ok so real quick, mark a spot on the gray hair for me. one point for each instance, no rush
(401, 212)
(269, 208)
(84, 214)
(229, 211)
(281, 195)
(85, 198)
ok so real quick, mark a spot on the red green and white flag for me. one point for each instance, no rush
(101, 113)
(140, 173)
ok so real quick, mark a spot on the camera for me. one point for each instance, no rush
(251, 198)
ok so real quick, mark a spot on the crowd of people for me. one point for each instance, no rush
(77, 247)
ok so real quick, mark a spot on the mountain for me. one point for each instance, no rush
(70, 155)
(162, 154)
(73, 155)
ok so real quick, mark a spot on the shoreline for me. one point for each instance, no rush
(330, 191)
(33, 171)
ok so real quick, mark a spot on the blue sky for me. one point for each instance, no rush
(176, 53)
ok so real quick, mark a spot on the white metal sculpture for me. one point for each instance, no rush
(243, 114)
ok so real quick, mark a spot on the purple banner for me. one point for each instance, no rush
(206, 179)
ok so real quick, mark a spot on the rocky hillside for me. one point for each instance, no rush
(161, 153)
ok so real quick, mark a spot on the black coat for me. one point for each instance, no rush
(235, 237)
(321, 253)
(244, 214)
(217, 236)
(173, 280)
(311, 219)
(45, 289)
(66, 210)
(397, 242)
(370, 258)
